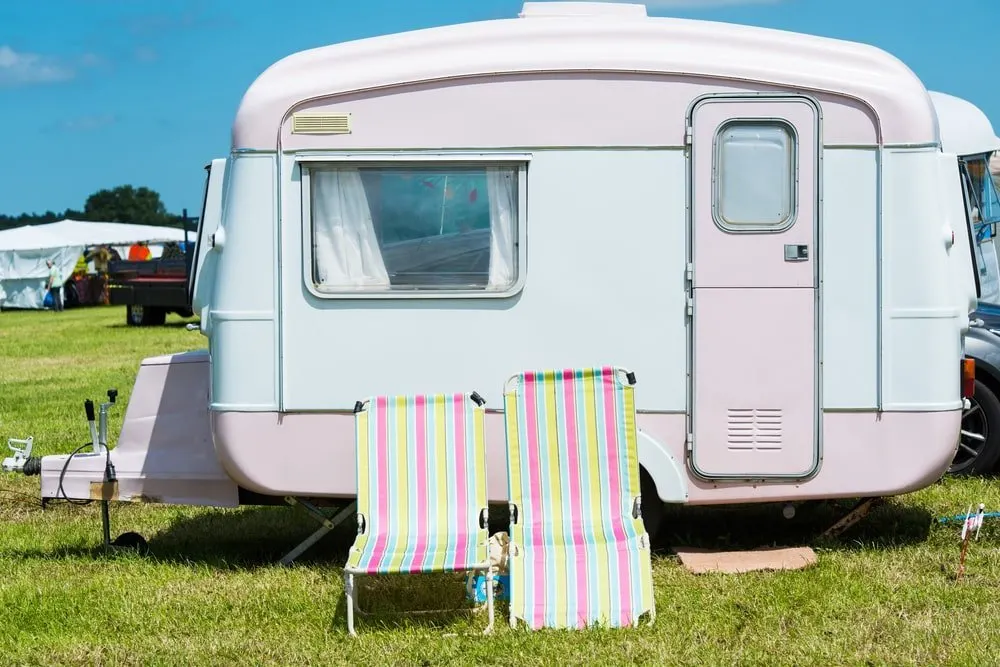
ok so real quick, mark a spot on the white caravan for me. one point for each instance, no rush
(966, 131)
(760, 224)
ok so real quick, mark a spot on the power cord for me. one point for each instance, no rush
(62, 476)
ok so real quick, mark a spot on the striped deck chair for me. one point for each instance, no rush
(421, 473)
(579, 553)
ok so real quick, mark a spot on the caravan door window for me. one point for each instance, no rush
(389, 228)
(755, 180)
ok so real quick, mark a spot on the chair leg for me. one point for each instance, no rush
(489, 600)
(326, 526)
(349, 591)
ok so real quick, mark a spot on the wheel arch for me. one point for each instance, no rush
(667, 476)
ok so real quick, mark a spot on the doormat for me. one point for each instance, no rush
(699, 561)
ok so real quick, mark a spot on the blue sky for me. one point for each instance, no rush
(99, 93)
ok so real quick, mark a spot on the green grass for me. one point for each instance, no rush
(210, 592)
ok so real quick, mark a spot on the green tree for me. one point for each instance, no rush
(126, 203)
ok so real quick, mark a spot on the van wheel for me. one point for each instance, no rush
(144, 316)
(652, 506)
(979, 442)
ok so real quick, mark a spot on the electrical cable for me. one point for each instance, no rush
(62, 475)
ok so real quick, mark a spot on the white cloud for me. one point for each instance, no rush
(20, 69)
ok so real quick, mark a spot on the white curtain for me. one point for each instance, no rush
(500, 184)
(346, 251)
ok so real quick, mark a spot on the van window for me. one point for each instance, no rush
(413, 227)
(984, 214)
(754, 176)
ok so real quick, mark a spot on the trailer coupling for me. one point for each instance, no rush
(22, 460)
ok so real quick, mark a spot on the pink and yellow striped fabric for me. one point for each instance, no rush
(421, 463)
(578, 557)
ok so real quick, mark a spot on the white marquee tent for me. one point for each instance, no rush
(24, 251)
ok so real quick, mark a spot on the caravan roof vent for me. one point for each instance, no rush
(609, 9)
(321, 123)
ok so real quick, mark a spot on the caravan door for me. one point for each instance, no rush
(754, 168)
(202, 273)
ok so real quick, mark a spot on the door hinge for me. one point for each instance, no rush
(689, 272)
(690, 305)
(690, 441)
(688, 134)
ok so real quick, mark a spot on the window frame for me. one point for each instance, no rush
(305, 162)
(717, 147)
(967, 199)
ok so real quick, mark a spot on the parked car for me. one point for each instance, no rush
(979, 444)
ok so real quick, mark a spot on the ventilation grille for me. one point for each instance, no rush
(755, 428)
(321, 123)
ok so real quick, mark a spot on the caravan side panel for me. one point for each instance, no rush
(849, 270)
(603, 284)
(567, 110)
(242, 326)
(921, 321)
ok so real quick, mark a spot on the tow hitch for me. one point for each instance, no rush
(22, 460)
(97, 421)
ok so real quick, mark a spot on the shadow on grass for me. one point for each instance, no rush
(762, 525)
(253, 537)
(435, 601)
(226, 539)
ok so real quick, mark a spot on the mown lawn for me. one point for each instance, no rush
(210, 591)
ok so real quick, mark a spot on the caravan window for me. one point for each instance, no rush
(754, 176)
(412, 227)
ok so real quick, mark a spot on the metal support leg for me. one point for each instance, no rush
(489, 600)
(859, 512)
(349, 592)
(106, 523)
(326, 525)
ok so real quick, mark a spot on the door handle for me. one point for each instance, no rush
(796, 253)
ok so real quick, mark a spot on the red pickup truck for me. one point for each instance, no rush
(152, 288)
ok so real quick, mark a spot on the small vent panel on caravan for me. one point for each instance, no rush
(321, 123)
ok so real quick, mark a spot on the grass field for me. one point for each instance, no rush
(209, 591)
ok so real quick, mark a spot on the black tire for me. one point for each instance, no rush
(144, 316)
(652, 506)
(979, 442)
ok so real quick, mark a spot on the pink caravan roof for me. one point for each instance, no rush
(594, 41)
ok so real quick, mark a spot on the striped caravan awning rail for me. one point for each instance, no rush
(421, 472)
(579, 551)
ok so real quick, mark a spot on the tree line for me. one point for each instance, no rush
(125, 203)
